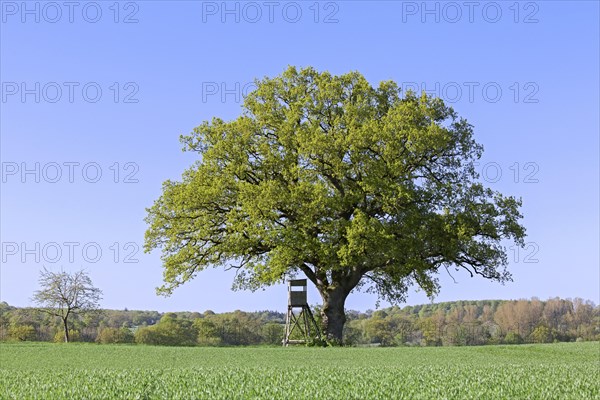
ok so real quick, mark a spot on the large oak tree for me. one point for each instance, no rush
(354, 186)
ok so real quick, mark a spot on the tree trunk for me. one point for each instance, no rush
(333, 314)
(66, 330)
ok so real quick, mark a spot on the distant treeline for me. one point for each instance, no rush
(457, 323)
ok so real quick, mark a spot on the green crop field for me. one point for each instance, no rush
(89, 371)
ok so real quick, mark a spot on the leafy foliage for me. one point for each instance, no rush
(115, 335)
(448, 324)
(170, 331)
(74, 336)
(349, 184)
(22, 332)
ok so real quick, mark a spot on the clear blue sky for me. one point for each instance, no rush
(525, 74)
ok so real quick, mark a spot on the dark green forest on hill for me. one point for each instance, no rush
(458, 323)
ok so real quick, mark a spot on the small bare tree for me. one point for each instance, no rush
(65, 294)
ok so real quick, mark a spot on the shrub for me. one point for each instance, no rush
(74, 336)
(209, 341)
(513, 338)
(146, 335)
(541, 334)
(115, 335)
(22, 333)
(170, 331)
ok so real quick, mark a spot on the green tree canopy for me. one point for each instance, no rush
(352, 185)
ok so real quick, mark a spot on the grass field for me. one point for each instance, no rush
(89, 371)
